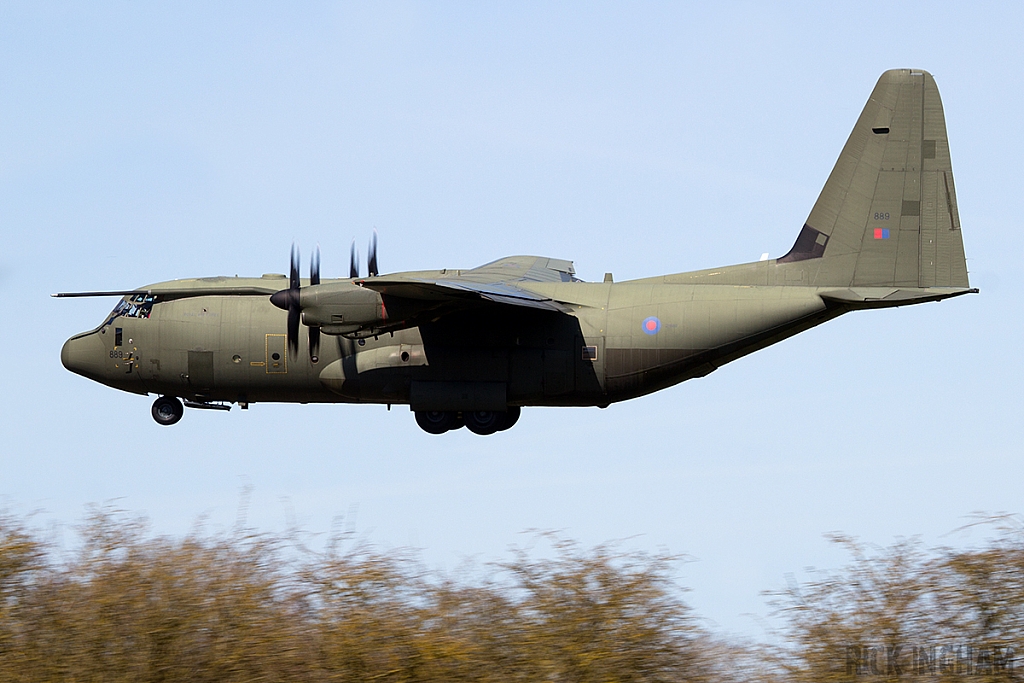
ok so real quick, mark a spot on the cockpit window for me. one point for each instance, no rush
(135, 306)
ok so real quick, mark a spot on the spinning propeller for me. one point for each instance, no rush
(371, 255)
(290, 299)
(371, 258)
(314, 332)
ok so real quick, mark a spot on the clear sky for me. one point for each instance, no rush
(143, 142)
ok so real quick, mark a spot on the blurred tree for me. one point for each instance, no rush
(21, 560)
(900, 613)
(843, 626)
(133, 608)
(980, 603)
(604, 616)
(127, 606)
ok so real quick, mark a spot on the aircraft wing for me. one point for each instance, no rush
(504, 281)
(461, 291)
(522, 269)
(168, 294)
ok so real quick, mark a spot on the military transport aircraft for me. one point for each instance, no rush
(471, 347)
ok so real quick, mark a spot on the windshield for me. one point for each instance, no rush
(133, 306)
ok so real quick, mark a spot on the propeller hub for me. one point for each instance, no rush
(285, 299)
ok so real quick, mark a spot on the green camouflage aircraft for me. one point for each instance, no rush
(471, 347)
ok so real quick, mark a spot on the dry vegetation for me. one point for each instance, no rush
(125, 605)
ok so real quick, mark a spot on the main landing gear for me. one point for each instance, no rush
(481, 422)
(167, 410)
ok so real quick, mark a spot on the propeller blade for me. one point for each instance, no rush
(371, 256)
(291, 300)
(293, 280)
(293, 329)
(288, 299)
(314, 344)
(314, 267)
(353, 263)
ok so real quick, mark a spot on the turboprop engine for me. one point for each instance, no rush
(334, 308)
(341, 308)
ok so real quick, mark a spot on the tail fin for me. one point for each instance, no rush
(887, 215)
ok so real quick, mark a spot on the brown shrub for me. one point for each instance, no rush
(125, 606)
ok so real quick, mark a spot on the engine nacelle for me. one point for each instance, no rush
(342, 308)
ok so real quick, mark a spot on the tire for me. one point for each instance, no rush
(436, 421)
(511, 417)
(167, 410)
(484, 422)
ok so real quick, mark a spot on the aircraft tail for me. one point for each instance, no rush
(887, 215)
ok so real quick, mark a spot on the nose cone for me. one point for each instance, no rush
(83, 354)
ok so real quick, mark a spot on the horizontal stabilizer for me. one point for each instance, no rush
(884, 297)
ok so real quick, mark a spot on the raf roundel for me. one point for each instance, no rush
(650, 325)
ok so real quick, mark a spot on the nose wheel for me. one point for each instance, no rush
(167, 410)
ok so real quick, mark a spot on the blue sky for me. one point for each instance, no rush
(143, 142)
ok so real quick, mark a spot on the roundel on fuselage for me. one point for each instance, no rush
(650, 325)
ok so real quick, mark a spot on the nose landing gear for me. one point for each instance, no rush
(167, 410)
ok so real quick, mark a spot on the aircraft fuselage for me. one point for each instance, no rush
(619, 341)
(473, 347)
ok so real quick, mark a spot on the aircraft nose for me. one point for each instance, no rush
(83, 355)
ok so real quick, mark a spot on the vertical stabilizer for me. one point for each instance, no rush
(887, 215)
